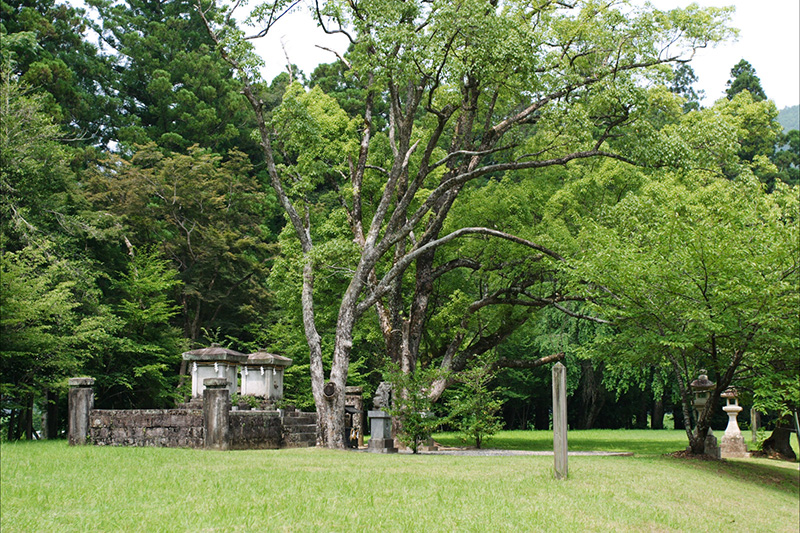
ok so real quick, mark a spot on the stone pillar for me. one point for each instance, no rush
(216, 413)
(380, 440)
(81, 402)
(560, 420)
(353, 398)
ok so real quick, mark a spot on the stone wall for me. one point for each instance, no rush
(172, 428)
(250, 430)
(214, 426)
(183, 428)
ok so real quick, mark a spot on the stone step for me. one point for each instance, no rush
(299, 429)
(300, 440)
(300, 420)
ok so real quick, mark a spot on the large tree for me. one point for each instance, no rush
(697, 271)
(170, 89)
(475, 90)
(744, 78)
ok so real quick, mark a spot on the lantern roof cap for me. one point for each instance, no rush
(215, 352)
(262, 357)
(730, 392)
(702, 383)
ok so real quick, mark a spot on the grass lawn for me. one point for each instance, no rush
(48, 486)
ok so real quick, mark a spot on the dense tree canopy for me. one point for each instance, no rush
(474, 90)
(460, 194)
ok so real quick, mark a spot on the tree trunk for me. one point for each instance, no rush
(29, 417)
(542, 413)
(641, 412)
(51, 410)
(592, 397)
(657, 420)
(12, 424)
(778, 443)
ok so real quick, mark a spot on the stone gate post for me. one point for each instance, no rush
(81, 401)
(216, 413)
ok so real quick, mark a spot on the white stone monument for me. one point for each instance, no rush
(262, 375)
(732, 443)
(213, 362)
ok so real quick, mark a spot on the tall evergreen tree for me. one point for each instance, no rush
(743, 78)
(173, 91)
(43, 44)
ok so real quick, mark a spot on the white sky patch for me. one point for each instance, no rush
(769, 39)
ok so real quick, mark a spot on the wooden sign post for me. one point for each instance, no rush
(560, 420)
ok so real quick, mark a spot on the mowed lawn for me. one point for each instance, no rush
(49, 486)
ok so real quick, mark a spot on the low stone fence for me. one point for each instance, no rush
(171, 428)
(215, 426)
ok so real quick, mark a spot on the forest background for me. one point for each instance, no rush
(139, 219)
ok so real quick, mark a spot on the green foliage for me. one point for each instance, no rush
(206, 212)
(43, 44)
(787, 158)
(411, 404)
(743, 78)
(40, 322)
(474, 407)
(139, 367)
(682, 84)
(698, 272)
(172, 88)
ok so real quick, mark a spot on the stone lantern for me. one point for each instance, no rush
(213, 362)
(732, 444)
(701, 388)
(262, 375)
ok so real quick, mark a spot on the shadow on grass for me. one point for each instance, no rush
(772, 477)
(640, 442)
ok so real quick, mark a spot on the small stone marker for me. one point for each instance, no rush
(560, 420)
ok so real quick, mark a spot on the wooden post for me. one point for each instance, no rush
(560, 420)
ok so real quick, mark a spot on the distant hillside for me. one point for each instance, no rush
(789, 117)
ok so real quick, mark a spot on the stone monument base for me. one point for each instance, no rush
(733, 447)
(381, 446)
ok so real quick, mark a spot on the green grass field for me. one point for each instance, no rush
(48, 486)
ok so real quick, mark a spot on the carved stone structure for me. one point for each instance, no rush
(560, 467)
(732, 444)
(262, 375)
(81, 402)
(380, 440)
(383, 396)
(354, 412)
(701, 388)
(213, 362)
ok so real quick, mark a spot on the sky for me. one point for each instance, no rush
(769, 39)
